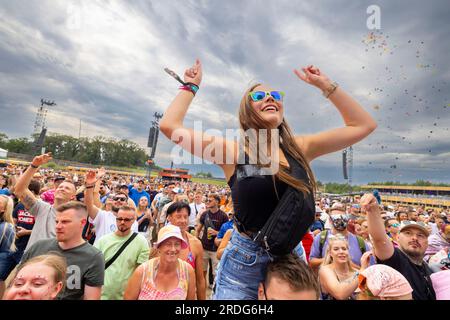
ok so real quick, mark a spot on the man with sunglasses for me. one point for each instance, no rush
(134, 254)
(103, 221)
(408, 257)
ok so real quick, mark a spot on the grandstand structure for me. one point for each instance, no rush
(430, 196)
(175, 174)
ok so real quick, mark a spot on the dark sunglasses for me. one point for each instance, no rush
(124, 219)
(120, 199)
(260, 95)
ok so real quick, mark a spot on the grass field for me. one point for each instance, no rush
(216, 182)
(141, 171)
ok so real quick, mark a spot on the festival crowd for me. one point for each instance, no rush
(66, 235)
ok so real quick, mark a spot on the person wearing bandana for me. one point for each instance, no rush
(339, 221)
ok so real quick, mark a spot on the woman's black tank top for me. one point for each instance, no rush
(254, 196)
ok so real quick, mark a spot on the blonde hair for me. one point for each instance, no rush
(250, 119)
(8, 219)
(53, 260)
(138, 207)
(328, 258)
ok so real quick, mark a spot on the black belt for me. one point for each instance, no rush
(240, 227)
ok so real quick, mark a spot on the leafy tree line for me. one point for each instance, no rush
(203, 175)
(418, 183)
(340, 188)
(97, 150)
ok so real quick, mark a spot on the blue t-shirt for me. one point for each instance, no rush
(136, 195)
(317, 225)
(223, 229)
(25, 220)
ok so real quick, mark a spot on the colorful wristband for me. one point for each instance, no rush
(192, 87)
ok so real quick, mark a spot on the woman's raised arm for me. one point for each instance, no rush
(358, 122)
(211, 148)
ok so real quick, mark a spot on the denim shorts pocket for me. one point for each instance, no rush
(238, 256)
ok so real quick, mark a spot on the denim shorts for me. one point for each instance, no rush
(241, 269)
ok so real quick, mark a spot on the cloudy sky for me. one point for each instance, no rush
(102, 62)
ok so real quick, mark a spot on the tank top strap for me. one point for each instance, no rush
(183, 275)
(151, 272)
(190, 257)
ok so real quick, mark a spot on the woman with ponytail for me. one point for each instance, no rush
(257, 188)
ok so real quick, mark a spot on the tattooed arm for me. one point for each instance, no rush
(21, 190)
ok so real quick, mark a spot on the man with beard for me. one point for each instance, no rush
(103, 221)
(43, 212)
(134, 254)
(408, 257)
(339, 220)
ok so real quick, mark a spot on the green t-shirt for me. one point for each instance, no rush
(117, 275)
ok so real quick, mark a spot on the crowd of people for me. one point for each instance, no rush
(112, 237)
(266, 235)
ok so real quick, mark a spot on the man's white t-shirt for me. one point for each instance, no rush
(157, 197)
(196, 209)
(105, 223)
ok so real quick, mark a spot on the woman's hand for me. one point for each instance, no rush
(369, 204)
(194, 74)
(365, 260)
(313, 76)
(42, 159)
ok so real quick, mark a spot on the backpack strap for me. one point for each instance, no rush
(362, 244)
(323, 237)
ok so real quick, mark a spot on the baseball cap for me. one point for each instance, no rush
(338, 206)
(59, 178)
(170, 231)
(177, 190)
(123, 186)
(412, 224)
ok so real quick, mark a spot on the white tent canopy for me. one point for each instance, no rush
(3, 153)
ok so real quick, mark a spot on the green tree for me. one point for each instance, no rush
(3, 140)
(19, 145)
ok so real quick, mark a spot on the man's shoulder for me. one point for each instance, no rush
(43, 246)
(41, 205)
(398, 257)
(140, 239)
(89, 249)
(194, 241)
(104, 241)
(104, 213)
